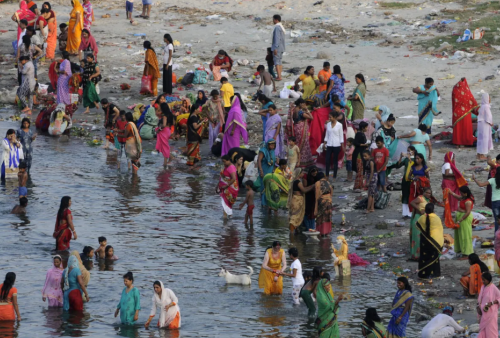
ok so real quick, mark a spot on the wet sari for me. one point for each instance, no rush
(272, 124)
(398, 305)
(62, 232)
(52, 288)
(276, 190)
(133, 144)
(427, 106)
(326, 321)
(75, 38)
(268, 164)
(228, 193)
(323, 209)
(266, 278)
(431, 245)
(193, 140)
(463, 104)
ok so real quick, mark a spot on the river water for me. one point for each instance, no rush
(164, 225)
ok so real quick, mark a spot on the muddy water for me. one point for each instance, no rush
(163, 225)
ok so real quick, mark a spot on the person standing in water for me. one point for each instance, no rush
(26, 137)
(64, 225)
(130, 301)
(170, 314)
(8, 299)
(52, 289)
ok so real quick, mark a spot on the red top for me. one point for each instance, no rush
(37, 22)
(121, 125)
(379, 156)
(462, 203)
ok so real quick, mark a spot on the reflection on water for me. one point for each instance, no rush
(163, 225)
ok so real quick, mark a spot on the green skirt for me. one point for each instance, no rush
(414, 237)
(463, 235)
(90, 95)
(308, 300)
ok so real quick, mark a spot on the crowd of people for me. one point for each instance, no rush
(324, 128)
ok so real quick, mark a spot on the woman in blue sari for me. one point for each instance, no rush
(336, 85)
(266, 163)
(73, 285)
(427, 97)
(401, 310)
(266, 102)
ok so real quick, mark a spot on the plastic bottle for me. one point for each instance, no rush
(343, 220)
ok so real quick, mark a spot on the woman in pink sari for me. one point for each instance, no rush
(163, 132)
(88, 14)
(52, 289)
(298, 126)
(23, 13)
(228, 186)
(235, 127)
(487, 308)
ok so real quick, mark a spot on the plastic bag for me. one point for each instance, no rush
(146, 85)
(284, 94)
(295, 95)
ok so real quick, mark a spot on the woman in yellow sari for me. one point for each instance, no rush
(75, 28)
(151, 67)
(296, 200)
(274, 263)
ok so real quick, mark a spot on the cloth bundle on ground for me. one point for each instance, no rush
(381, 201)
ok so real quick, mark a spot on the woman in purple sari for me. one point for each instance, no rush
(65, 74)
(274, 131)
(235, 127)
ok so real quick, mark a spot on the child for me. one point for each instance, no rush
(87, 254)
(381, 156)
(121, 122)
(109, 253)
(348, 158)
(270, 62)
(21, 208)
(267, 80)
(371, 180)
(130, 302)
(63, 37)
(22, 177)
(101, 250)
(129, 8)
(249, 202)
(293, 153)
(297, 278)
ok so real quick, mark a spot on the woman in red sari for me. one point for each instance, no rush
(228, 186)
(463, 104)
(452, 179)
(23, 13)
(64, 225)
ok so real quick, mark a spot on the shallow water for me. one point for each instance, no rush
(163, 225)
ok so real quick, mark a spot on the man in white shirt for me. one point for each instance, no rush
(442, 325)
(334, 142)
(297, 278)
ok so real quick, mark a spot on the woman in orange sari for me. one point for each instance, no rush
(75, 28)
(270, 278)
(52, 36)
(151, 67)
(228, 186)
(471, 280)
(8, 299)
(64, 225)
(463, 104)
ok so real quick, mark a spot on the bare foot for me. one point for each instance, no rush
(87, 111)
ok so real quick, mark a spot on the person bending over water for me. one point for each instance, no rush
(273, 265)
(21, 208)
(170, 314)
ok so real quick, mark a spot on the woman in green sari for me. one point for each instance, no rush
(266, 162)
(147, 130)
(358, 99)
(276, 190)
(326, 322)
(418, 205)
(91, 76)
(372, 326)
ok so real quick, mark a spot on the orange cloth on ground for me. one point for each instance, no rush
(52, 39)
(74, 39)
(473, 282)
(326, 75)
(266, 278)
(153, 69)
(7, 309)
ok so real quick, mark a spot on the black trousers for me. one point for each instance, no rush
(167, 79)
(335, 151)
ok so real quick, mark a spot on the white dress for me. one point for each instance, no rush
(166, 317)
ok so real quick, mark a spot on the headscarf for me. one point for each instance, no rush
(72, 263)
(235, 116)
(165, 316)
(77, 8)
(386, 111)
(90, 41)
(450, 158)
(484, 113)
(137, 111)
(203, 100)
(325, 300)
(269, 155)
(448, 310)
(296, 175)
(83, 269)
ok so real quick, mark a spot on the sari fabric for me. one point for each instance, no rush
(463, 104)
(83, 269)
(417, 186)
(323, 209)
(88, 15)
(53, 76)
(74, 39)
(11, 157)
(72, 297)
(63, 95)
(170, 319)
(338, 87)
(268, 164)
(7, 309)
(358, 106)
(219, 62)
(463, 234)
(431, 245)
(88, 44)
(379, 331)
(272, 124)
(484, 123)
(153, 70)
(448, 218)
(326, 321)
(398, 305)
(308, 85)
(193, 140)
(414, 231)
(472, 283)
(62, 232)
(23, 13)
(300, 130)
(276, 190)
(90, 95)
(214, 110)
(162, 138)
(52, 288)
(129, 303)
(50, 52)
(228, 193)
(266, 278)
(488, 321)
(236, 127)
(427, 106)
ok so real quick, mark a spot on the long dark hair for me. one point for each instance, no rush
(64, 205)
(223, 52)
(361, 77)
(242, 104)
(147, 45)
(264, 98)
(497, 179)
(165, 110)
(27, 42)
(465, 190)
(421, 156)
(487, 275)
(404, 280)
(168, 38)
(48, 5)
(474, 259)
(26, 120)
(308, 69)
(8, 283)
(316, 275)
(371, 317)
(429, 209)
